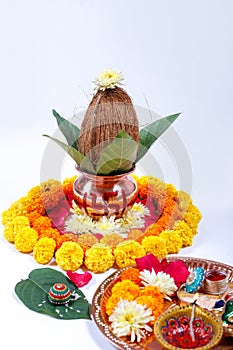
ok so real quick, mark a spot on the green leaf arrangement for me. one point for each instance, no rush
(121, 155)
(33, 292)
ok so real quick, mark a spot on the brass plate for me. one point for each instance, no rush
(103, 292)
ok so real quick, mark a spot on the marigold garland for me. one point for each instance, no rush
(172, 226)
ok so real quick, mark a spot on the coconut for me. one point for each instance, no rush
(110, 111)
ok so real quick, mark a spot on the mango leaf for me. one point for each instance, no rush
(69, 130)
(119, 156)
(150, 133)
(83, 162)
(33, 292)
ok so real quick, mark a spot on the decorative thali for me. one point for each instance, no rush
(150, 343)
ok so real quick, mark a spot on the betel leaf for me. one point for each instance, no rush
(78, 157)
(119, 156)
(150, 133)
(69, 130)
(33, 292)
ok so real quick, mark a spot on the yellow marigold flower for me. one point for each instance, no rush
(25, 239)
(192, 217)
(41, 224)
(171, 191)
(16, 224)
(99, 258)
(67, 185)
(44, 250)
(132, 274)
(185, 232)
(184, 200)
(126, 253)
(124, 287)
(173, 241)
(112, 239)
(113, 300)
(53, 233)
(155, 304)
(17, 208)
(156, 246)
(69, 256)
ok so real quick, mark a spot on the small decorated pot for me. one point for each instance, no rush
(59, 294)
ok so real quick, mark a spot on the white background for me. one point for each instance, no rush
(176, 56)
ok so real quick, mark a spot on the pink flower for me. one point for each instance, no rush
(178, 270)
(79, 279)
(149, 262)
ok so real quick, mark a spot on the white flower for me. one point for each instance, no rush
(164, 282)
(108, 79)
(138, 209)
(130, 318)
(79, 224)
(107, 225)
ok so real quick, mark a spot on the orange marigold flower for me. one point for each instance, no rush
(113, 300)
(51, 193)
(126, 286)
(55, 234)
(87, 240)
(169, 206)
(135, 234)
(112, 239)
(152, 291)
(34, 201)
(33, 216)
(131, 274)
(153, 230)
(156, 305)
(42, 224)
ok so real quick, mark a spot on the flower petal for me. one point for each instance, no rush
(149, 262)
(178, 270)
(79, 279)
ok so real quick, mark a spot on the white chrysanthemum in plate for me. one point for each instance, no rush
(131, 319)
(108, 79)
(164, 282)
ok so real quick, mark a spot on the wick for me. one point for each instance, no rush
(191, 319)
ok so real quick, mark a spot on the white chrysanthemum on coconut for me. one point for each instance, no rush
(108, 79)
